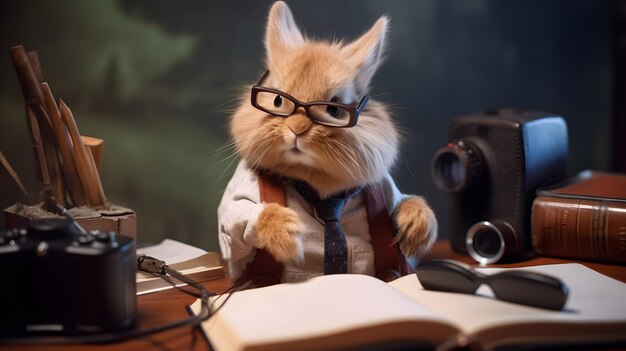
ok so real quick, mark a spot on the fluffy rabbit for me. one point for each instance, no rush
(305, 145)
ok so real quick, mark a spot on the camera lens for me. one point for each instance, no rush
(456, 167)
(488, 242)
(450, 170)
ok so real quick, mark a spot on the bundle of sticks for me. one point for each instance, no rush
(66, 164)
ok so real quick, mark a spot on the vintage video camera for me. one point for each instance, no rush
(59, 281)
(491, 167)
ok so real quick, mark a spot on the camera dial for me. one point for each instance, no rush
(457, 166)
(51, 228)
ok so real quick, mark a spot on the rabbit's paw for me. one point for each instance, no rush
(416, 224)
(278, 231)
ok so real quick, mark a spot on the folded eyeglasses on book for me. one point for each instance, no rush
(522, 287)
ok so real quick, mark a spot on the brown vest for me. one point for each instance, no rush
(388, 261)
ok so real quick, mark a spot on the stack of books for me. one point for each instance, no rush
(583, 218)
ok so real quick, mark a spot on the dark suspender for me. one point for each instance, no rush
(388, 261)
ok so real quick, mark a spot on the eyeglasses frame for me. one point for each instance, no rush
(353, 111)
(479, 279)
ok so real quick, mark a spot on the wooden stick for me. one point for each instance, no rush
(96, 146)
(13, 174)
(88, 173)
(65, 147)
(38, 102)
(49, 141)
(33, 58)
(94, 172)
(50, 150)
(41, 154)
(56, 175)
(31, 87)
(31, 91)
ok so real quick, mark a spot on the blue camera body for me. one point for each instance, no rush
(491, 167)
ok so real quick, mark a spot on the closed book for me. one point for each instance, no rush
(583, 218)
(359, 312)
(192, 262)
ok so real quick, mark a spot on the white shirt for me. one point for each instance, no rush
(240, 207)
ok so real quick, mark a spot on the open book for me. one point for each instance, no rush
(349, 311)
(191, 261)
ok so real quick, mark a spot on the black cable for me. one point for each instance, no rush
(157, 267)
(150, 265)
(230, 291)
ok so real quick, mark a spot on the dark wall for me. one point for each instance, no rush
(156, 80)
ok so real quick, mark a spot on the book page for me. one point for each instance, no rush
(171, 251)
(316, 310)
(346, 310)
(593, 298)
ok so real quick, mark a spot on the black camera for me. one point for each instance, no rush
(491, 167)
(59, 281)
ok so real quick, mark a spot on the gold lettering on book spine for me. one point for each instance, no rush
(598, 232)
(549, 232)
(563, 231)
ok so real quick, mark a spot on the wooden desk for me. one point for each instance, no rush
(168, 306)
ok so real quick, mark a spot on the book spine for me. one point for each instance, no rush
(579, 228)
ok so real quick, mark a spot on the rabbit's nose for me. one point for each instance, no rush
(299, 123)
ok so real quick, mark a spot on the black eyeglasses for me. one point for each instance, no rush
(522, 287)
(328, 113)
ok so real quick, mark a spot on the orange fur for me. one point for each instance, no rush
(277, 228)
(416, 224)
(329, 159)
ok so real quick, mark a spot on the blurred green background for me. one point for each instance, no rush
(156, 80)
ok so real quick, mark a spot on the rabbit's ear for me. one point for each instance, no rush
(365, 53)
(282, 33)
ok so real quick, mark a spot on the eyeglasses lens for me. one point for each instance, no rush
(529, 289)
(275, 103)
(446, 278)
(330, 114)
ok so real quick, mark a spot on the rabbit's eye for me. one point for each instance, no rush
(278, 101)
(333, 111)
